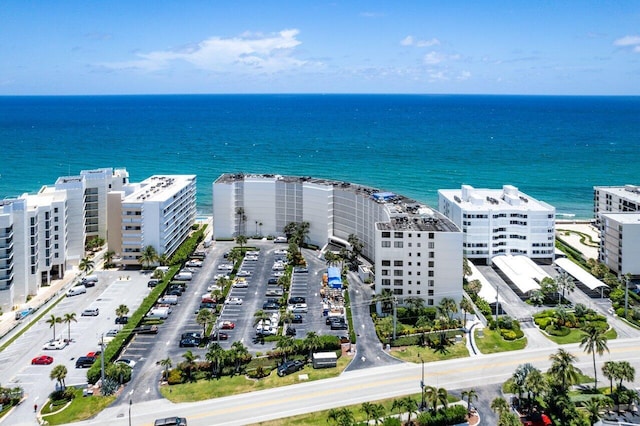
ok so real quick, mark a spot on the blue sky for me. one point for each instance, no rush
(466, 47)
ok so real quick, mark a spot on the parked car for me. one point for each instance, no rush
(153, 283)
(129, 362)
(329, 320)
(84, 362)
(227, 325)
(55, 344)
(190, 340)
(111, 333)
(90, 312)
(122, 320)
(339, 325)
(146, 329)
(74, 291)
(243, 274)
(296, 318)
(277, 267)
(42, 360)
(272, 281)
(289, 367)
(251, 258)
(219, 335)
(298, 308)
(225, 267)
(233, 301)
(274, 291)
(281, 251)
(291, 331)
(93, 354)
(300, 269)
(297, 299)
(278, 274)
(193, 263)
(270, 306)
(280, 240)
(240, 284)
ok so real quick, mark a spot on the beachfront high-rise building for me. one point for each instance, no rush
(500, 221)
(617, 213)
(417, 252)
(157, 212)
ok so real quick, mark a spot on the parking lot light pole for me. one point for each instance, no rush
(422, 402)
(130, 403)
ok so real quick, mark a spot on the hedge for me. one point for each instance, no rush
(453, 415)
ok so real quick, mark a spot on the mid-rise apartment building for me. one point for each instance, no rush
(157, 212)
(617, 213)
(265, 204)
(500, 221)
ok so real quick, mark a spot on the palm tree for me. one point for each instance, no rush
(286, 345)
(535, 384)
(148, 256)
(286, 317)
(331, 258)
(470, 394)
(52, 321)
(507, 418)
(204, 318)
(302, 233)
(189, 362)
(86, 265)
(260, 315)
(474, 286)
(59, 373)
(499, 405)
(240, 353)
(625, 372)
(467, 307)
(241, 240)
(385, 297)
(397, 405)
(120, 371)
(564, 282)
(108, 258)
(447, 307)
(68, 319)
(414, 304)
(216, 356)
(163, 259)
(610, 371)
(312, 342)
(167, 364)
(563, 370)
(411, 406)
(443, 397)
(367, 408)
(242, 217)
(333, 415)
(431, 397)
(594, 341)
(466, 269)
(122, 311)
(593, 407)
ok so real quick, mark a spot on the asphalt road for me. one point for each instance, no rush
(355, 387)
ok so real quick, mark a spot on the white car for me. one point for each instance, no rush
(218, 276)
(277, 267)
(214, 287)
(251, 258)
(298, 308)
(240, 284)
(252, 253)
(55, 345)
(243, 274)
(225, 267)
(194, 263)
(233, 301)
(131, 363)
(281, 251)
(278, 273)
(267, 330)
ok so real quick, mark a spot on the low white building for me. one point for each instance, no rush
(156, 212)
(417, 252)
(500, 221)
(620, 242)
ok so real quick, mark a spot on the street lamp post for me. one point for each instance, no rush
(130, 403)
(422, 402)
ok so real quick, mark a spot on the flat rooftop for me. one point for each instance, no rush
(624, 218)
(158, 187)
(509, 198)
(629, 192)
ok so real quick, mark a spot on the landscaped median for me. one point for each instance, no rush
(565, 326)
(491, 341)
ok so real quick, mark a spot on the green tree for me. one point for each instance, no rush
(189, 363)
(411, 406)
(108, 258)
(610, 371)
(167, 364)
(500, 405)
(397, 404)
(466, 268)
(242, 219)
(593, 407)
(52, 321)
(216, 356)
(332, 258)
(312, 342)
(86, 265)
(240, 353)
(148, 256)
(367, 409)
(68, 319)
(594, 341)
(507, 418)
(562, 370)
(59, 374)
(474, 287)
(535, 384)
(286, 346)
(241, 240)
(467, 307)
(204, 318)
(625, 372)
(443, 397)
(385, 298)
(564, 283)
(447, 307)
(470, 395)
(122, 311)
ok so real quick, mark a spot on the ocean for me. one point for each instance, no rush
(554, 148)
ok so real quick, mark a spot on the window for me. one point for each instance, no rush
(431, 235)
(398, 235)
(384, 272)
(397, 282)
(386, 234)
(385, 281)
(430, 293)
(431, 273)
(397, 263)
(431, 245)
(397, 291)
(397, 272)
(430, 302)
(397, 244)
(431, 264)
(386, 244)
(431, 255)
(386, 263)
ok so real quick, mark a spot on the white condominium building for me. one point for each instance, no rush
(265, 204)
(617, 213)
(496, 222)
(156, 212)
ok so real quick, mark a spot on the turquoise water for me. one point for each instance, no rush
(552, 148)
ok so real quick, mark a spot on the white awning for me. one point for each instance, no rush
(521, 271)
(580, 274)
(487, 291)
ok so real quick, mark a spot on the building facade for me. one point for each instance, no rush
(496, 222)
(157, 212)
(422, 253)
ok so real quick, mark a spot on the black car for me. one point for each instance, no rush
(297, 318)
(289, 367)
(270, 306)
(219, 336)
(122, 320)
(300, 269)
(297, 299)
(153, 283)
(189, 342)
(339, 325)
(272, 281)
(85, 361)
(291, 331)
(329, 320)
(174, 291)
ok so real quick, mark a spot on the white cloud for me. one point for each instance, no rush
(464, 75)
(628, 40)
(411, 41)
(256, 52)
(434, 58)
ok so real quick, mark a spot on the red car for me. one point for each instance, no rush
(227, 325)
(42, 360)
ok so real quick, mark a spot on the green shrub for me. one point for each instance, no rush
(174, 377)
(562, 331)
(508, 334)
(456, 414)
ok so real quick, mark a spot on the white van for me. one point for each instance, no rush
(183, 276)
(91, 278)
(74, 291)
(159, 313)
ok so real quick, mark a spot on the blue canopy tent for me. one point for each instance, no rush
(383, 196)
(333, 273)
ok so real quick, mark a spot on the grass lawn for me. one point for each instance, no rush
(410, 353)
(225, 386)
(320, 418)
(492, 342)
(81, 408)
(575, 336)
